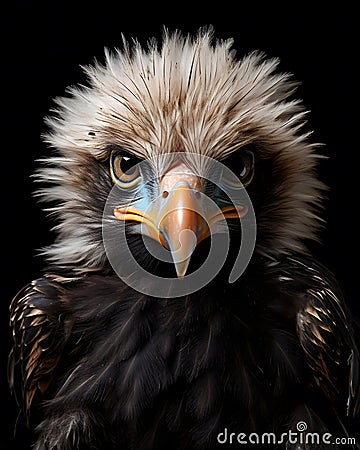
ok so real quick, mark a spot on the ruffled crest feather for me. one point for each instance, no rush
(189, 94)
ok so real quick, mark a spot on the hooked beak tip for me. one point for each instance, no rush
(182, 246)
(180, 271)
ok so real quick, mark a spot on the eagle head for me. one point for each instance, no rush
(158, 142)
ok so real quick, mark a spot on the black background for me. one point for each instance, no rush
(43, 45)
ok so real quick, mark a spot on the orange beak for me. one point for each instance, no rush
(178, 219)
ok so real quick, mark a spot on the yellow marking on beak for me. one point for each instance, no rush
(134, 214)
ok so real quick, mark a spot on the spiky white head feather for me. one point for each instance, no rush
(189, 94)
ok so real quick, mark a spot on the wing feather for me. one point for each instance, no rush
(326, 334)
(38, 338)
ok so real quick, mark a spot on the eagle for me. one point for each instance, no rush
(181, 306)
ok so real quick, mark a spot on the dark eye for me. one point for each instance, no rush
(124, 168)
(242, 165)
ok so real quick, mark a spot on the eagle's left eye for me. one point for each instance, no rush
(242, 165)
(124, 168)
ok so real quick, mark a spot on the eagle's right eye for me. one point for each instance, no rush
(124, 169)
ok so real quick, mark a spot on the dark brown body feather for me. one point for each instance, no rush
(101, 366)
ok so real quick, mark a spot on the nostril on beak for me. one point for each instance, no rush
(165, 194)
